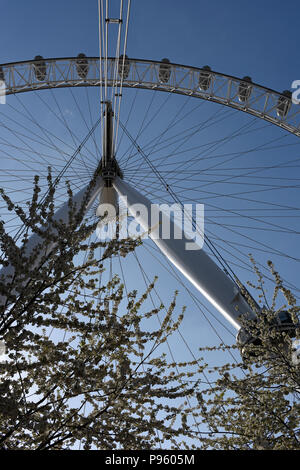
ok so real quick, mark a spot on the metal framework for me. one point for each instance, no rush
(239, 93)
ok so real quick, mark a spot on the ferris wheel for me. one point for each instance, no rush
(157, 131)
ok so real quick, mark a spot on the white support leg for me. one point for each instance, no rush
(196, 266)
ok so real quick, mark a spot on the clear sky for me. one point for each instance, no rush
(256, 38)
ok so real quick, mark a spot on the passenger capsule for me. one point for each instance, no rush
(2, 79)
(284, 103)
(40, 68)
(205, 78)
(82, 65)
(124, 67)
(164, 71)
(245, 89)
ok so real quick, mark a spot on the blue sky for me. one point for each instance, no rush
(257, 38)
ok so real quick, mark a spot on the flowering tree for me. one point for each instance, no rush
(84, 365)
(254, 404)
(103, 384)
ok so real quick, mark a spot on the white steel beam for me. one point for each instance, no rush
(196, 266)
